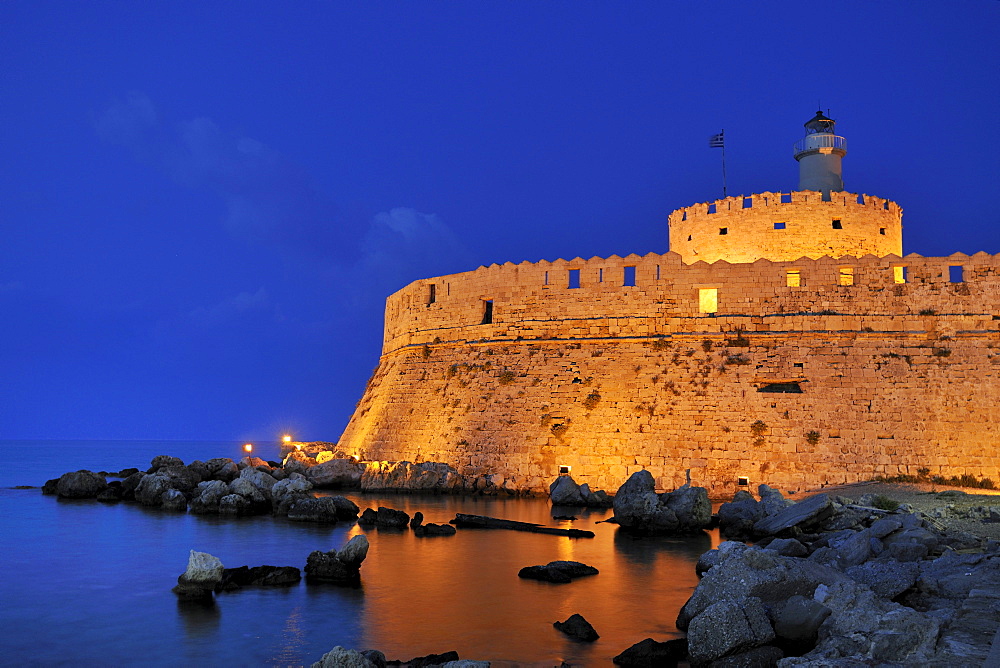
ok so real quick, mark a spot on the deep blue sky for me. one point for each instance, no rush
(203, 205)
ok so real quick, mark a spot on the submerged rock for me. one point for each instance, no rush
(559, 572)
(578, 628)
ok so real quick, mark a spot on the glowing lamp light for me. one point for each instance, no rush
(248, 447)
(286, 438)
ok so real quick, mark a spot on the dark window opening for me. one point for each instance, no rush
(684, 216)
(689, 237)
(885, 205)
(747, 202)
(742, 481)
(798, 365)
(786, 198)
(881, 231)
(861, 199)
(788, 388)
(574, 278)
(564, 470)
(837, 225)
(487, 312)
(657, 272)
(629, 276)
(956, 274)
(711, 208)
(432, 295)
(779, 226)
(600, 275)
(723, 230)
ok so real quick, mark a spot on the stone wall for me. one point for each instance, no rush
(790, 386)
(745, 229)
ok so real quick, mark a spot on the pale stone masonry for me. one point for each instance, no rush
(789, 386)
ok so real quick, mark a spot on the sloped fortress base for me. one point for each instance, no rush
(794, 373)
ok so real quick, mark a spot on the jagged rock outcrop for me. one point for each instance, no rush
(565, 492)
(423, 477)
(639, 508)
(342, 566)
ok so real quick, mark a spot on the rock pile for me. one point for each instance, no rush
(640, 509)
(565, 492)
(833, 582)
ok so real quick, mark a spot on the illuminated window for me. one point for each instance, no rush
(899, 274)
(708, 300)
(847, 276)
(793, 278)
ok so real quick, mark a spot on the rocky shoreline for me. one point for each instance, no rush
(895, 575)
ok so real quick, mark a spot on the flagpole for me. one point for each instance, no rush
(723, 165)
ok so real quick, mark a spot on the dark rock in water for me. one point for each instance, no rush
(578, 628)
(149, 491)
(112, 493)
(124, 473)
(80, 485)
(559, 572)
(565, 492)
(652, 654)
(314, 510)
(174, 501)
(130, 484)
(483, 522)
(340, 567)
(639, 508)
(222, 468)
(160, 461)
(234, 504)
(51, 486)
(286, 493)
(207, 496)
(385, 518)
(274, 576)
(431, 529)
(426, 661)
(346, 509)
(339, 657)
(200, 469)
(233, 578)
(418, 519)
(736, 518)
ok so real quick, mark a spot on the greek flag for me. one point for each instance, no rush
(717, 141)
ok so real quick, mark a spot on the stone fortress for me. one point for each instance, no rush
(783, 340)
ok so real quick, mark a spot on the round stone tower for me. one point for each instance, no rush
(820, 219)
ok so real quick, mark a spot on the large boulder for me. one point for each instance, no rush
(297, 462)
(385, 518)
(174, 501)
(565, 492)
(639, 508)
(652, 654)
(336, 473)
(81, 485)
(323, 509)
(804, 515)
(259, 479)
(728, 627)
(150, 490)
(736, 518)
(207, 496)
(235, 504)
(160, 461)
(222, 468)
(203, 573)
(286, 493)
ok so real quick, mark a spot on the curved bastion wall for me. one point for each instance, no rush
(865, 366)
(786, 226)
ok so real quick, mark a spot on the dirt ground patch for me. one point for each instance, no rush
(925, 497)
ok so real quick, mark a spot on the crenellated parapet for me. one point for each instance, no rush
(786, 226)
(642, 295)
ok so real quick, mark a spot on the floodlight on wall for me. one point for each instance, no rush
(564, 470)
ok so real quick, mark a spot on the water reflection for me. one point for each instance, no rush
(200, 618)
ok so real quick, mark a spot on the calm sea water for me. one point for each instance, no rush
(88, 584)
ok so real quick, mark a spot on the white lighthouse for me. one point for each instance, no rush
(819, 154)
